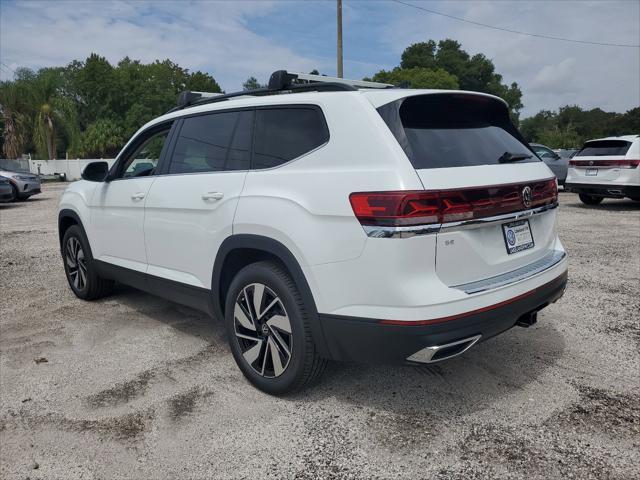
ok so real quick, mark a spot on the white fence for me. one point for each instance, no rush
(71, 168)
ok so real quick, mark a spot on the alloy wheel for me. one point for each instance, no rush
(76, 263)
(263, 330)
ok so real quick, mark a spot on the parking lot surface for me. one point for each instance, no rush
(133, 386)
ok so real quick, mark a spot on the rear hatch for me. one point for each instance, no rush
(600, 161)
(466, 150)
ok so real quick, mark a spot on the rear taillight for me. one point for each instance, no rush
(423, 207)
(605, 163)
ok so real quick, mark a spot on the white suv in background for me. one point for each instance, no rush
(330, 219)
(606, 168)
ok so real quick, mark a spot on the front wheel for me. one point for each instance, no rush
(14, 193)
(267, 324)
(590, 199)
(80, 268)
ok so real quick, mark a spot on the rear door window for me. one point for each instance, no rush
(601, 148)
(214, 142)
(453, 130)
(283, 134)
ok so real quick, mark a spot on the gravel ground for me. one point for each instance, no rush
(133, 386)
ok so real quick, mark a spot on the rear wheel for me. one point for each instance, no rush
(590, 199)
(267, 324)
(80, 267)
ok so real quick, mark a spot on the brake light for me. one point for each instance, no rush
(424, 207)
(626, 163)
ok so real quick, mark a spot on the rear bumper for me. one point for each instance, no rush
(604, 190)
(372, 340)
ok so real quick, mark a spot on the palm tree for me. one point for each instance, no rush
(53, 113)
(14, 113)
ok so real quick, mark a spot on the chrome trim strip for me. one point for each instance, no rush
(413, 230)
(426, 354)
(400, 232)
(548, 261)
(480, 222)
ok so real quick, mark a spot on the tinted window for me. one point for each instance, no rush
(283, 134)
(212, 143)
(144, 159)
(604, 147)
(456, 130)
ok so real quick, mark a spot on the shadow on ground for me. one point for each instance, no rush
(497, 368)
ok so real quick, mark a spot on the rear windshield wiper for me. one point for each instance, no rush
(508, 157)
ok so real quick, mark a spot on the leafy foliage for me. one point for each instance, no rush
(89, 107)
(475, 72)
(571, 126)
(418, 77)
(252, 83)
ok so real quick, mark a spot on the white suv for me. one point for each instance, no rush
(606, 168)
(326, 220)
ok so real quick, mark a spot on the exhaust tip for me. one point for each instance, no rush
(437, 353)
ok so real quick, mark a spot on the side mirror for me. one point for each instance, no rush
(95, 171)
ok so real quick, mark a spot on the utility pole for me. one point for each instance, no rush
(339, 38)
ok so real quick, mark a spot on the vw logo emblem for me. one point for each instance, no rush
(590, 162)
(527, 196)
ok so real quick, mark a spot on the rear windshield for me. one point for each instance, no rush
(453, 130)
(601, 148)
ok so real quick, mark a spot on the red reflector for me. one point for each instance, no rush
(422, 207)
(625, 163)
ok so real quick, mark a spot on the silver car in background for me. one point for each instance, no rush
(23, 184)
(558, 164)
(6, 192)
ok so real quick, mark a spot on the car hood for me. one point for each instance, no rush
(10, 173)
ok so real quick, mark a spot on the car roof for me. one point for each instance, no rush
(628, 138)
(377, 97)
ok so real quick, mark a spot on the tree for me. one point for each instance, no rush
(102, 139)
(571, 126)
(12, 108)
(476, 73)
(53, 113)
(252, 84)
(418, 77)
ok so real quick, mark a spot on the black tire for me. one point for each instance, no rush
(304, 365)
(14, 193)
(89, 286)
(590, 199)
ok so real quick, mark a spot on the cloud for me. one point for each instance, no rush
(233, 40)
(554, 79)
(550, 73)
(210, 36)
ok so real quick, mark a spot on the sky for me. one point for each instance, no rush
(233, 40)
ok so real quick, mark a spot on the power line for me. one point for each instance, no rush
(7, 66)
(538, 35)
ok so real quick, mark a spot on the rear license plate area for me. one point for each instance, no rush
(517, 236)
(591, 172)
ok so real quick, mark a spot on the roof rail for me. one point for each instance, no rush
(282, 78)
(280, 81)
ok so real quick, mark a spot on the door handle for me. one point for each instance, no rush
(137, 196)
(212, 195)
